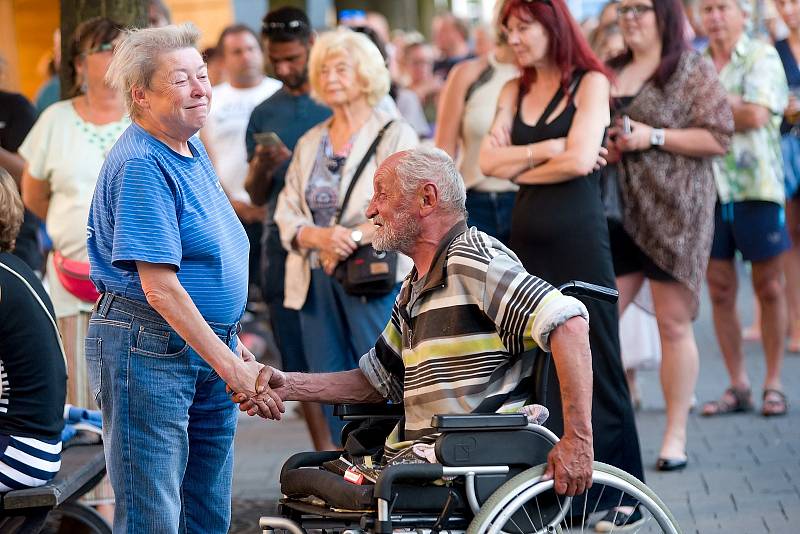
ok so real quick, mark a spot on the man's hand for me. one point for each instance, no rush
(251, 380)
(264, 404)
(248, 212)
(570, 463)
(266, 159)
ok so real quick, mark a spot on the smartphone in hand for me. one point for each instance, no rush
(626, 125)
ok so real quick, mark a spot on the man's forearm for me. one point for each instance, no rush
(573, 358)
(13, 163)
(331, 388)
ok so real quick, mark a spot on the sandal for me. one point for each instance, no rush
(732, 401)
(775, 406)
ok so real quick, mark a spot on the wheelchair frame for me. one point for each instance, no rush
(527, 483)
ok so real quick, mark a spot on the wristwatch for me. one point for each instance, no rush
(657, 137)
(357, 235)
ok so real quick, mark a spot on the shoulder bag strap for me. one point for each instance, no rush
(370, 152)
(42, 304)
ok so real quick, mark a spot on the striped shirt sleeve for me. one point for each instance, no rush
(526, 309)
(383, 364)
(145, 209)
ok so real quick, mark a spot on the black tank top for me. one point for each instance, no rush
(522, 133)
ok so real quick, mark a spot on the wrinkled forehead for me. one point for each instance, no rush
(386, 174)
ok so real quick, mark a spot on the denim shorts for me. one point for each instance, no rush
(755, 228)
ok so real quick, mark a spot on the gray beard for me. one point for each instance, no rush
(400, 236)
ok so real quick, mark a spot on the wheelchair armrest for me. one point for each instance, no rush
(395, 473)
(350, 412)
(308, 459)
(479, 421)
(577, 288)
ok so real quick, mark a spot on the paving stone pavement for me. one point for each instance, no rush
(743, 474)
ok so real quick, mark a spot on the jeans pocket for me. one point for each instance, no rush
(94, 363)
(159, 343)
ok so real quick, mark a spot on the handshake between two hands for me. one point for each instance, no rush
(265, 396)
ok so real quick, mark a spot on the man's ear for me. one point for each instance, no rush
(428, 199)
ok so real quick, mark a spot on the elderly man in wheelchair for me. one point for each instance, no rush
(457, 442)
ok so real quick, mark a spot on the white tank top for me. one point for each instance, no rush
(479, 110)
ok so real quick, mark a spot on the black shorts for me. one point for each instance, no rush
(629, 258)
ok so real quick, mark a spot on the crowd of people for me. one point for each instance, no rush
(647, 153)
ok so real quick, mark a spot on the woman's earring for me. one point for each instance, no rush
(84, 83)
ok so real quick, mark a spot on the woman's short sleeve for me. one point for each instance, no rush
(146, 206)
(36, 146)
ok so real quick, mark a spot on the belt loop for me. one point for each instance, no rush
(105, 304)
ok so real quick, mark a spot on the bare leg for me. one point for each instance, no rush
(679, 361)
(792, 270)
(768, 286)
(722, 287)
(317, 427)
(752, 332)
(628, 286)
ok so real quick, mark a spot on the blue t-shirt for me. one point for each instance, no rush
(289, 116)
(154, 205)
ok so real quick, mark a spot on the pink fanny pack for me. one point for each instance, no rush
(74, 276)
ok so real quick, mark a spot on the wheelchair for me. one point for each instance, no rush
(487, 479)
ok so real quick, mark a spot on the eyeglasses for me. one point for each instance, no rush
(636, 10)
(292, 26)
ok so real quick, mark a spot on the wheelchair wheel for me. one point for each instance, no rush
(527, 505)
(75, 518)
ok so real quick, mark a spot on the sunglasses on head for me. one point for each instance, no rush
(292, 26)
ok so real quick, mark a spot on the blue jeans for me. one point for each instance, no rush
(168, 423)
(340, 328)
(491, 213)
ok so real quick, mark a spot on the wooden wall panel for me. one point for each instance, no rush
(210, 16)
(33, 24)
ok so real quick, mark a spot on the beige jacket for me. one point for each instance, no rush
(292, 211)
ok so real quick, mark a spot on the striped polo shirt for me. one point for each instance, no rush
(461, 342)
(154, 205)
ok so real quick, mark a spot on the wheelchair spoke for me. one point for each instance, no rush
(541, 521)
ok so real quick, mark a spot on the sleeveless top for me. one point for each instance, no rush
(792, 70)
(479, 110)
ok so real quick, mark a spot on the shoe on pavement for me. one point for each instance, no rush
(618, 521)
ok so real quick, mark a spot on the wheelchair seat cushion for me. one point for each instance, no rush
(340, 494)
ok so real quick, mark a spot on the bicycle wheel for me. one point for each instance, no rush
(525, 504)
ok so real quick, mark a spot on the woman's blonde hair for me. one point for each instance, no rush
(11, 211)
(370, 68)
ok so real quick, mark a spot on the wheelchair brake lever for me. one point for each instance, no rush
(449, 505)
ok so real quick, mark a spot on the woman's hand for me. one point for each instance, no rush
(329, 262)
(499, 136)
(336, 241)
(246, 379)
(637, 140)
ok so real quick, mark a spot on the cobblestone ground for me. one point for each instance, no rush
(743, 474)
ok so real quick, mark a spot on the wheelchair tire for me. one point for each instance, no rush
(515, 499)
(77, 518)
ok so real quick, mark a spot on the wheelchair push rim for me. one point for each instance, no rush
(514, 508)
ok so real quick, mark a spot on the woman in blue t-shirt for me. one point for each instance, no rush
(170, 259)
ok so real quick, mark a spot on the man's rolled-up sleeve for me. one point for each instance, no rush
(525, 308)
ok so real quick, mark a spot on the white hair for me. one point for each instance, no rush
(136, 56)
(428, 164)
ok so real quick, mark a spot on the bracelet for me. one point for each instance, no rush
(530, 156)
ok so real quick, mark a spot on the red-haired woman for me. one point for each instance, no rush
(548, 132)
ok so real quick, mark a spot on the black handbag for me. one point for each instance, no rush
(366, 272)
